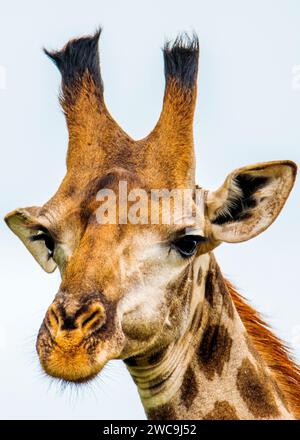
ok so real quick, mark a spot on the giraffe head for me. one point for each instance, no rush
(126, 285)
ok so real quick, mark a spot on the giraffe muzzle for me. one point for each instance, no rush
(69, 342)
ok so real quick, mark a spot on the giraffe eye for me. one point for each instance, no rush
(47, 239)
(187, 245)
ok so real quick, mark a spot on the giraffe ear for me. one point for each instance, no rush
(249, 200)
(24, 223)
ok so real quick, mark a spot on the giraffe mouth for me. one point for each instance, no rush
(68, 360)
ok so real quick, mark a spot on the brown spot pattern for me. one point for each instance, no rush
(214, 350)
(227, 301)
(222, 411)
(256, 390)
(272, 351)
(215, 286)
(209, 288)
(156, 357)
(181, 285)
(199, 276)
(185, 281)
(163, 412)
(189, 388)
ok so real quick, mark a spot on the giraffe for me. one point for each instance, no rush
(153, 295)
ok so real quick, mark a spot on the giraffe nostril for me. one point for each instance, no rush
(89, 318)
(54, 315)
(52, 320)
(92, 319)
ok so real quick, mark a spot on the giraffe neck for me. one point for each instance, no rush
(212, 370)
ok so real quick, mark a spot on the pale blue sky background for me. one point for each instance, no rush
(247, 111)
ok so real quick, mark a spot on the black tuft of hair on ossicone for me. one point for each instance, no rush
(181, 60)
(78, 57)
